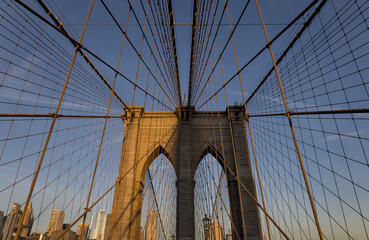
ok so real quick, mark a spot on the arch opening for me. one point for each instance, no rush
(158, 220)
(211, 200)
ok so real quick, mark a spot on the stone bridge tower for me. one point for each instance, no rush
(184, 140)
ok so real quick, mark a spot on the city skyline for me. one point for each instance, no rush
(99, 231)
(55, 227)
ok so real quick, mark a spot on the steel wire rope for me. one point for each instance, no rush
(215, 148)
(216, 32)
(48, 138)
(216, 185)
(83, 47)
(163, 41)
(225, 45)
(20, 162)
(342, 65)
(55, 179)
(60, 26)
(286, 157)
(243, 98)
(220, 129)
(243, 186)
(128, 39)
(65, 189)
(264, 48)
(198, 44)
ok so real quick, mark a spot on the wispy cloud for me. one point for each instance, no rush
(352, 134)
(40, 101)
(235, 92)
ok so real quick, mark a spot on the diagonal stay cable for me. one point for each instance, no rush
(203, 32)
(160, 34)
(212, 45)
(156, 203)
(163, 39)
(171, 22)
(194, 19)
(263, 49)
(130, 42)
(87, 50)
(151, 50)
(166, 43)
(294, 40)
(199, 52)
(202, 58)
(225, 46)
(60, 26)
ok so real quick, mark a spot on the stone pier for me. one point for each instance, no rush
(184, 137)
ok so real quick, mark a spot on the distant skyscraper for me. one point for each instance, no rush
(216, 231)
(56, 220)
(11, 223)
(27, 222)
(36, 236)
(69, 235)
(151, 225)
(229, 236)
(108, 227)
(2, 223)
(100, 225)
(90, 227)
(81, 234)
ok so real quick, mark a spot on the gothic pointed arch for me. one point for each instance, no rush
(214, 151)
(159, 149)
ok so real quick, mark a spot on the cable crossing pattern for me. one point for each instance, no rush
(164, 119)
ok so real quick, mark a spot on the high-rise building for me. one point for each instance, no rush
(56, 220)
(108, 227)
(151, 225)
(36, 236)
(11, 223)
(69, 235)
(90, 227)
(27, 221)
(82, 231)
(2, 223)
(216, 231)
(100, 225)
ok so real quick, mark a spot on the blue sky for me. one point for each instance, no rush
(324, 70)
